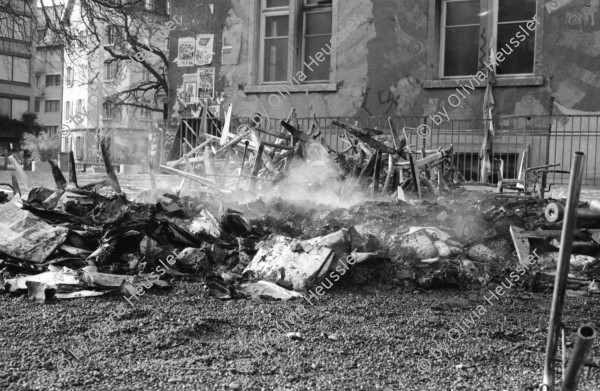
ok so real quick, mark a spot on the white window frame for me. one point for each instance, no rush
(70, 79)
(68, 110)
(494, 44)
(313, 9)
(11, 68)
(112, 68)
(12, 108)
(255, 83)
(442, 48)
(54, 85)
(47, 106)
(264, 14)
(112, 31)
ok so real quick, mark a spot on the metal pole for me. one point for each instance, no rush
(560, 282)
(583, 343)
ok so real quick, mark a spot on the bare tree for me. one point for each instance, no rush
(134, 36)
(17, 28)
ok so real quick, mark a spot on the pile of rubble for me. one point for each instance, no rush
(84, 241)
(298, 162)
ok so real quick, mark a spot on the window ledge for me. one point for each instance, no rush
(16, 83)
(290, 88)
(500, 82)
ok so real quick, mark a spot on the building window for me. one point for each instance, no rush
(145, 75)
(37, 105)
(52, 106)
(113, 33)
(110, 110)
(111, 70)
(302, 24)
(14, 68)
(512, 15)
(41, 34)
(464, 28)
(70, 77)
(459, 37)
(19, 107)
(316, 35)
(16, 26)
(51, 131)
(5, 106)
(52, 80)
(83, 37)
(68, 110)
(79, 106)
(14, 108)
(21, 69)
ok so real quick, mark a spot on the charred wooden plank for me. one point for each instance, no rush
(72, 170)
(295, 132)
(15, 184)
(59, 178)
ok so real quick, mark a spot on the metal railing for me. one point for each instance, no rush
(546, 140)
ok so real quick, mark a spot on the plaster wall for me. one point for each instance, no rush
(381, 67)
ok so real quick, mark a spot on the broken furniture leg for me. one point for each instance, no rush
(257, 160)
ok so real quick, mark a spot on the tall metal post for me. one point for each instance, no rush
(560, 282)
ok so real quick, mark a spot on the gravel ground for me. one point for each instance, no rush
(376, 335)
(371, 337)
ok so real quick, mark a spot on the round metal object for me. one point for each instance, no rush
(554, 212)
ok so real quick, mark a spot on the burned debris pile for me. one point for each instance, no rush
(277, 219)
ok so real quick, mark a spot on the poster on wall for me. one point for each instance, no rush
(204, 48)
(185, 52)
(206, 83)
(190, 88)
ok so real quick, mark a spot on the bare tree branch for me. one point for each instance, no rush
(126, 31)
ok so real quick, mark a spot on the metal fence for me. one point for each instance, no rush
(540, 139)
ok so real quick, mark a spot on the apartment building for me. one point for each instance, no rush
(49, 63)
(90, 80)
(16, 73)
